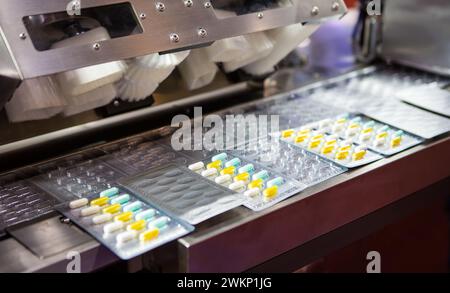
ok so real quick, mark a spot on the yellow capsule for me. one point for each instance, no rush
(287, 133)
(341, 121)
(367, 130)
(342, 155)
(396, 141)
(301, 138)
(137, 226)
(346, 148)
(242, 177)
(215, 165)
(328, 149)
(359, 155)
(114, 209)
(124, 217)
(101, 201)
(270, 193)
(317, 137)
(303, 132)
(258, 183)
(149, 235)
(228, 171)
(332, 142)
(315, 143)
(353, 126)
(382, 135)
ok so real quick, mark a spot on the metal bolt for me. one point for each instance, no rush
(202, 33)
(188, 3)
(208, 4)
(174, 38)
(23, 36)
(315, 11)
(116, 103)
(142, 16)
(160, 6)
(96, 46)
(260, 15)
(335, 6)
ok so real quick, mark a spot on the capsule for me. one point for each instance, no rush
(197, 167)
(351, 132)
(112, 209)
(126, 237)
(358, 156)
(341, 121)
(305, 131)
(301, 138)
(101, 201)
(220, 157)
(342, 155)
(396, 141)
(245, 177)
(382, 135)
(137, 226)
(264, 175)
(379, 142)
(121, 199)
(224, 180)
(89, 211)
(357, 119)
(145, 215)
(385, 128)
(124, 217)
(338, 128)
(112, 227)
(236, 162)
(215, 165)
(210, 173)
(318, 137)
(79, 203)
(258, 183)
(109, 192)
(160, 223)
(101, 219)
(345, 148)
(327, 149)
(399, 133)
(249, 168)
(331, 142)
(238, 186)
(366, 136)
(287, 133)
(314, 144)
(133, 207)
(325, 123)
(254, 192)
(276, 182)
(149, 235)
(367, 130)
(370, 124)
(228, 171)
(270, 193)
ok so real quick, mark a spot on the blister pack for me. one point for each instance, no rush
(343, 152)
(262, 187)
(185, 194)
(127, 226)
(381, 138)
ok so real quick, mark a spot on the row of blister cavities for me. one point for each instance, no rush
(330, 146)
(230, 173)
(119, 214)
(369, 132)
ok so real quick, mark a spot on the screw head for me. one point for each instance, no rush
(142, 16)
(188, 3)
(96, 46)
(23, 36)
(315, 11)
(174, 38)
(202, 33)
(160, 7)
(207, 4)
(260, 15)
(335, 6)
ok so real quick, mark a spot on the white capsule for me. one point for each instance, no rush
(254, 192)
(79, 203)
(352, 132)
(101, 219)
(238, 186)
(379, 142)
(92, 210)
(113, 227)
(210, 173)
(361, 148)
(224, 179)
(325, 123)
(197, 167)
(125, 237)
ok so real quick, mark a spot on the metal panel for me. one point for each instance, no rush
(416, 33)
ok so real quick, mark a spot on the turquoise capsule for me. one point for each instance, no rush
(236, 162)
(145, 215)
(121, 199)
(383, 129)
(249, 168)
(160, 223)
(220, 157)
(369, 124)
(344, 116)
(277, 181)
(356, 119)
(109, 192)
(133, 207)
(264, 175)
(399, 133)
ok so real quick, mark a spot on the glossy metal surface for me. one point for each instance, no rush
(416, 33)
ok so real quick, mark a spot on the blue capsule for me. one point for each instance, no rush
(133, 207)
(276, 182)
(236, 162)
(220, 157)
(109, 192)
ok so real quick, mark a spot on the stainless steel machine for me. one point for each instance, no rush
(61, 60)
